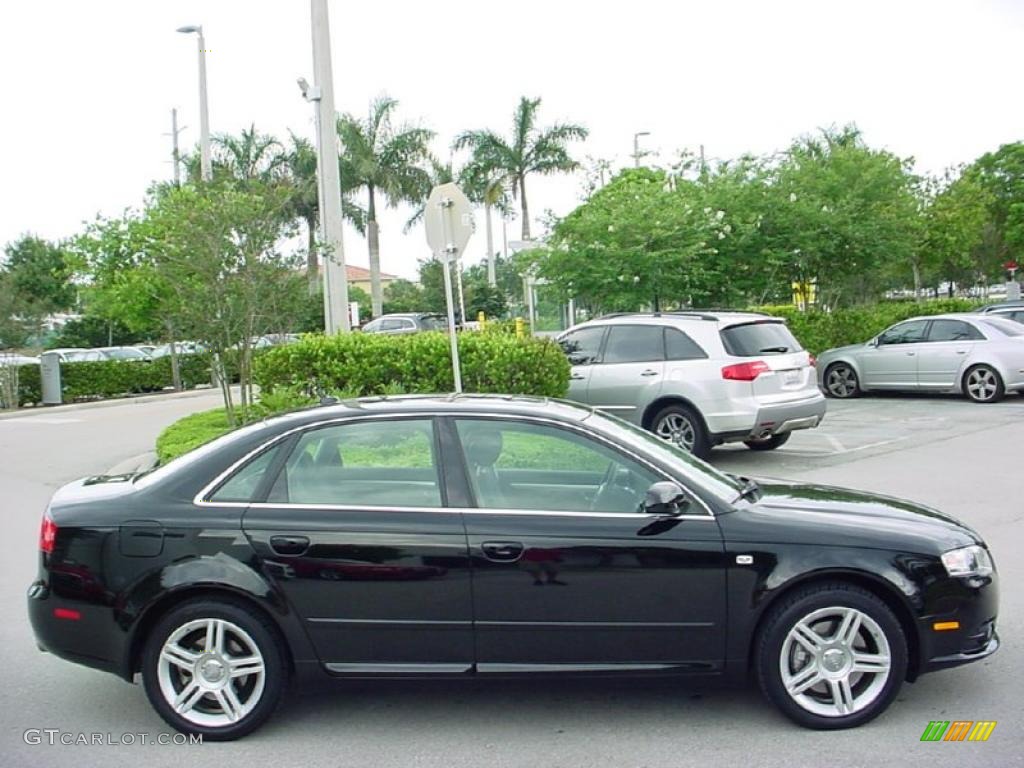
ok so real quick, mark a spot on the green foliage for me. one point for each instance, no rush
(818, 331)
(1001, 174)
(94, 331)
(40, 273)
(370, 364)
(191, 432)
(403, 296)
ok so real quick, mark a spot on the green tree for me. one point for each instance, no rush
(1001, 174)
(403, 296)
(39, 274)
(530, 150)
(386, 160)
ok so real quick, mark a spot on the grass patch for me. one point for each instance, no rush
(191, 432)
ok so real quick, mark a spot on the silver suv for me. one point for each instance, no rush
(698, 378)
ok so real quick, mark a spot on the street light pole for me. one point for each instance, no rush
(204, 115)
(636, 147)
(336, 316)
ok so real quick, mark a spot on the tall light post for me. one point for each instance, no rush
(636, 147)
(336, 315)
(204, 116)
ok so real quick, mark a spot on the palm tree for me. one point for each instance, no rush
(301, 176)
(531, 150)
(487, 186)
(251, 155)
(386, 160)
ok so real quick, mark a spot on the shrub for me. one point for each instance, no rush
(371, 364)
(818, 330)
(191, 432)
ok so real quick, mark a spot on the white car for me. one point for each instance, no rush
(979, 356)
(697, 378)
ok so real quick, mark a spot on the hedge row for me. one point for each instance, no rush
(371, 364)
(818, 330)
(109, 378)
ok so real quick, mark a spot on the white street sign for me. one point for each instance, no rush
(448, 219)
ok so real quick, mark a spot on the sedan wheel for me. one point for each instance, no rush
(983, 384)
(213, 668)
(678, 424)
(833, 656)
(841, 381)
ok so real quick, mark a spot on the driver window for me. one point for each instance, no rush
(905, 333)
(523, 465)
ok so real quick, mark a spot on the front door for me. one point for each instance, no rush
(892, 364)
(568, 574)
(355, 533)
(582, 347)
(630, 373)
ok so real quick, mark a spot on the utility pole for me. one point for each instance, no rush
(336, 317)
(636, 147)
(204, 114)
(175, 153)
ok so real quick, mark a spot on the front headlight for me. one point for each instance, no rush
(968, 561)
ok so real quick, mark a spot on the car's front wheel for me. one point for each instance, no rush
(214, 668)
(841, 381)
(831, 656)
(680, 424)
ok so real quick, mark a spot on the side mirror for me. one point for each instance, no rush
(874, 342)
(665, 498)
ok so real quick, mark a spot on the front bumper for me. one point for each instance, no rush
(976, 609)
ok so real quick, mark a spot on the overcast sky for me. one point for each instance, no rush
(87, 87)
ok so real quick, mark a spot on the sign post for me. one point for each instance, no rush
(448, 219)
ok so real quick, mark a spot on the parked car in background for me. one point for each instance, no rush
(78, 355)
(124, 353)
(7, 358)
(477, 536)
(183, 348)
(697, 378)
(146, 349)
(407, 322)
(978, 355)
(1011, 310)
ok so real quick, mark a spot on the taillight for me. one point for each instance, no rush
(812, 360)
(47, 534)
(745, 371)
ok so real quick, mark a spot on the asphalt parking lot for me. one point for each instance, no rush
(946, 452)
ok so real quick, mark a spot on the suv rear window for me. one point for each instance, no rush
(764, 337)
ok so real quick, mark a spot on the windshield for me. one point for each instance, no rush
(696, 471)
(764, 337)
(1004, 327)
(434, 323)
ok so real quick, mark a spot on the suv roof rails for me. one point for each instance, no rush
(732, 311)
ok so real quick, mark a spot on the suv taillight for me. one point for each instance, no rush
(47, 534)
(745, 371)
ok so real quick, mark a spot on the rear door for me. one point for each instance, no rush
(892, 364)
(631, 370)
(356, 534)
(941, 358)
(583, 348)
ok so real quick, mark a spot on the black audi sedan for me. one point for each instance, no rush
(495, 536)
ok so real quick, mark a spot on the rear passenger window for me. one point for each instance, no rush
(373, 463)
(634, 344)
(679, 346)
(242, 485)
(952, 330)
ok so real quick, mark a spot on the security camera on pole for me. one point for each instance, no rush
(448, 219)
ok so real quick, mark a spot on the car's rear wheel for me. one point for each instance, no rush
(841, 381)
(680, 424)
(831, 656)
(983, 384)
(214, 668)
(769, 443)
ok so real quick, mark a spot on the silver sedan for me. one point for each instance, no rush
(980, 356)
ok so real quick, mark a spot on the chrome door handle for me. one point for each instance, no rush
(649, 372)
(961, 351)
(911, 353)
(576, 377)
(502, 551)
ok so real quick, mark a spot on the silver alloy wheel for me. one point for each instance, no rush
(835, 661)
(982, 384)
(841, 381)
(211, 672)
(678, 429)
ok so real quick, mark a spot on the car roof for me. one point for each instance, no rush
(724, 318)
(1001, 305)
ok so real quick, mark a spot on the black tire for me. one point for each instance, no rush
(983, 384)
(769, 443)
(691, 424)
(841, 382)
(824, 599)
(258, 632)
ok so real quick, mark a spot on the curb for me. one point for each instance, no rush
(136, 400)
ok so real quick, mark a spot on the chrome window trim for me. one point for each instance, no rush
(200, 499)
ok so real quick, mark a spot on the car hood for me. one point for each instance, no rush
(843, 350)
(821, 514)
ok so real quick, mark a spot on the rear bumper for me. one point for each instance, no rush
(779, 418)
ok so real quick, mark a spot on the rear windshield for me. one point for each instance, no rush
(434, 323)
(765, 337)
(1005, 327)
